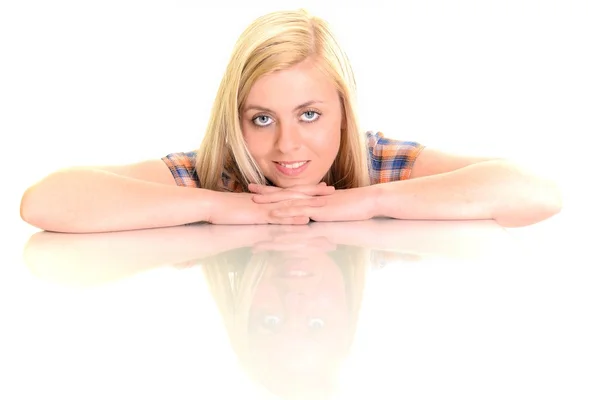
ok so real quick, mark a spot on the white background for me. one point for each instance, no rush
(105, 82)
(84, 83)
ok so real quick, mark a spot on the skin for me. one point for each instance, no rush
(442, 186)
(293, 115)
(299, 326)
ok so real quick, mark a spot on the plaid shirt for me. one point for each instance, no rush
(389, 160)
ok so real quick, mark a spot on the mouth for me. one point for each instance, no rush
(295, 269)
(295, 273)
(291, 168)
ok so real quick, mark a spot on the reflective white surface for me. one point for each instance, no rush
(376, 309)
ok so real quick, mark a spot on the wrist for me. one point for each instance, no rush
(206, 203)
(378, 204)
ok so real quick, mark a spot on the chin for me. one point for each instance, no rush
(288, 183)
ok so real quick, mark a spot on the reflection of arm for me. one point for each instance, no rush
(406, 239)
(95, 258)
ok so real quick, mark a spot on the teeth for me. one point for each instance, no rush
(294, 165)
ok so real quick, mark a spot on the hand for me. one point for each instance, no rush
(273, 194)
(239, 209)
(342, 205)
(295, 240)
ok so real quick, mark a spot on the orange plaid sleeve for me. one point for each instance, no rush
(391, 160)
(183, 168)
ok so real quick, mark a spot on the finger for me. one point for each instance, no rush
(313, 190)
(284, 231)
(278, 197)
(256, 188)
(274, 246)
(296, 237)
(278, 243)
(294, 211)
(292, 220)
(302, 246)
(306, 202)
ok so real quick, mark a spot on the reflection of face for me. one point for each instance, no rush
(299, 318)
(281, 127)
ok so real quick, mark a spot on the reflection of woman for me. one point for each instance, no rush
(289, 295)
(85, 259)
(290, 315)
(91, 259)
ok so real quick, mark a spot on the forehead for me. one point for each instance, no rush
(289, 87)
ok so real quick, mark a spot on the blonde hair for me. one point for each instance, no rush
(273, 42)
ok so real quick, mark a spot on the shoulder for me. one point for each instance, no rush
(380, 144)
(391, 159)
(183, 168)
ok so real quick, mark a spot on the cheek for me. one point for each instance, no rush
(328, 144)
(324, 136)
(257, 145)
(266, 294)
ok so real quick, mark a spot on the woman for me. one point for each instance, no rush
(283, 146)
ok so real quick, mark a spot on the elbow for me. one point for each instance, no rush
(25, 207)
(548, 203)
(527, 217)
(30, 210)
(35, 212)
(46, 206)
(532, 210)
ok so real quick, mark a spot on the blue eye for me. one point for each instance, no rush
(310, 116)
(262, 120)
(316, 323)
(271, 320)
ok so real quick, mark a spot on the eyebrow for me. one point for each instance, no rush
(260, 108)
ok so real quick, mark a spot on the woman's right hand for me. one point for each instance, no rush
(240, 209)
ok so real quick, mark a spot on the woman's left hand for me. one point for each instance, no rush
(274, 194)
(341, 205)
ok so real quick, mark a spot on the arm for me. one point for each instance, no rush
(447, 187)
(404, 239)
(99, 258)
(101, 199)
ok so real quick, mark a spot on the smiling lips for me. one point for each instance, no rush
(291, 168)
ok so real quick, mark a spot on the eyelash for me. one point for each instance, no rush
(306, 111)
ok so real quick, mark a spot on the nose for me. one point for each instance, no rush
(288, 138)
(295, 301)
(296, 308)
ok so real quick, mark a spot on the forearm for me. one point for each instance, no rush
(84, 200)
(447, 239)
(495, 190)
(98, 258)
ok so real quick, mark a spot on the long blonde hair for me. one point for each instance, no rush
(273, 42)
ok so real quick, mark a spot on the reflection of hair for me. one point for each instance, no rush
(273, 42)
(233, 276)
